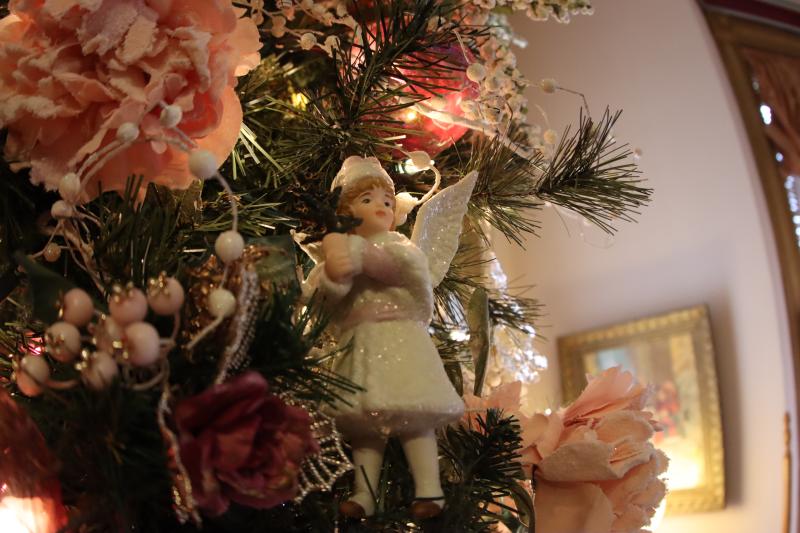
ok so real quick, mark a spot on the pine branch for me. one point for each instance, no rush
(468, 272)
(108, 443)
(135, 241)
(282, 350)
(515, 311)
(591, 175)
(483, 464)
(505, 194)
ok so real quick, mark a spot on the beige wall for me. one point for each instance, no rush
(704, 239)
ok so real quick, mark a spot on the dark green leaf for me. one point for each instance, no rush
(46, 288)
(479, 324)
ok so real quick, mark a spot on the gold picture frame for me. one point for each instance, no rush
(675, 353)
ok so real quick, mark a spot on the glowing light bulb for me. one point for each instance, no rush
(24, 515)
(299, 100)
(411, 115)
(408, 167)
(459, 335)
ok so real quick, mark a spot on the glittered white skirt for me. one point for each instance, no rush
(406, 388)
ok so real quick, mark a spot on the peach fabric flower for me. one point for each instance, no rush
(73, 71)
(597, 470)
(604, 474)
(540, 433)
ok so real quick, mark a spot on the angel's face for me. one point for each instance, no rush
(375, 208)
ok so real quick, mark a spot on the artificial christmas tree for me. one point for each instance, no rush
(233, 293)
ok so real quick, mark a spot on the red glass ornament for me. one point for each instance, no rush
(445, 89)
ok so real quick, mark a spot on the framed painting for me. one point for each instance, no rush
(674, 353)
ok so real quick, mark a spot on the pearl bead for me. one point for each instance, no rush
(61, 209)
(229, 246)
(69, 187)
(63, 341)
(436, 103)
(421, 159)
(100, 371)
(128, 307)
(108, 334)
(128, 132)
(171, 116)
(143, 344)
(33, 374)
(166, 300)
(404, 203)
(52, 252)
(221, 303)
(203, 164)
(77, 307)
(548, 85)
(476, 72)
(308, 41)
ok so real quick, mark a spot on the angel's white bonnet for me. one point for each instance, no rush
(356, 168)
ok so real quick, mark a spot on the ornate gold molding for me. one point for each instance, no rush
(710, 493)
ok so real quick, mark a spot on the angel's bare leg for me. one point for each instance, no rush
(367, 459)
(422, 453)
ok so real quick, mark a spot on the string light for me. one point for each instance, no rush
(300, 101)
(408, 167)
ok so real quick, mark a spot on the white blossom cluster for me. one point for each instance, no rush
(502, 86)
(329, 13)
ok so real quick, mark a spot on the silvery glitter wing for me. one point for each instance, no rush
(438, 225)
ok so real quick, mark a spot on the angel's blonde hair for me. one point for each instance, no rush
(363, 185)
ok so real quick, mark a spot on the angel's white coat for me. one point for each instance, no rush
(382, 317)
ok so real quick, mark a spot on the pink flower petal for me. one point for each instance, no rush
(572, 508)
(624, 424)
(101, 63)
(139, 39)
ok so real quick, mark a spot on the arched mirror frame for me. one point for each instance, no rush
(737, 26)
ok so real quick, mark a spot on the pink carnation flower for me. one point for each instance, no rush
(604, 474)
(597, 470)
(73, 71)
(540, 432)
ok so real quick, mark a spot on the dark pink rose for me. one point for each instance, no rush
(239, 443)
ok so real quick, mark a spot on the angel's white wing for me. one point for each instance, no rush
(312, 250)
(438, 225)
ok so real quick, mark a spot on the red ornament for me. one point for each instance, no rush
(444, 90)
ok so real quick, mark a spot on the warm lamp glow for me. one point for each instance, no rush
(685, 475)
(685, 464)
(655, 522)
(29, 515)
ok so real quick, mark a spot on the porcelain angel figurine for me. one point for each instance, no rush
(378, 285)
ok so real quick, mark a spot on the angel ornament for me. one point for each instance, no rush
(379, 286)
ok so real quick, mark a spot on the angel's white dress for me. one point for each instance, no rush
(382, 319)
